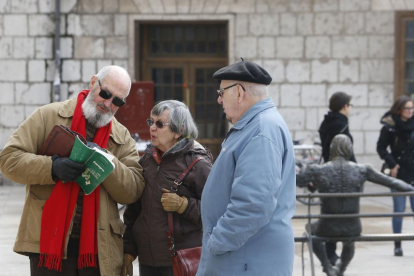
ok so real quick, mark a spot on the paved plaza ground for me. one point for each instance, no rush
(371, 258)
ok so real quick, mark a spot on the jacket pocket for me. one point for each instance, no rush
(116, 246)
(34, 219)
(117, 226)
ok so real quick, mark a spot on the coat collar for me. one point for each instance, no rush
(253, 111)
(388, 120)
(67, 109)
(182, 145)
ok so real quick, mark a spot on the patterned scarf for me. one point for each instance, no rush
(59, 208)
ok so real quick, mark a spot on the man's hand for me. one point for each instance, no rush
(127, 269)
(94, 145)
(65, 169)
(172, 202)
(394, 171)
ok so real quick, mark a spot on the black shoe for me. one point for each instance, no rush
(398, 252)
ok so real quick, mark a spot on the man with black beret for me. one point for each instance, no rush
(249, 197)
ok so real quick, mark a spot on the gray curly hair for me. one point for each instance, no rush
(181, 121)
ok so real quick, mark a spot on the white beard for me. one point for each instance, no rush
(95, 117)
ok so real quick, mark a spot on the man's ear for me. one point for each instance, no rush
(93, 82)
(241, 94)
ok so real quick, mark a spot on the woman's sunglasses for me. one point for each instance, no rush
(107, 95)
(158, 124)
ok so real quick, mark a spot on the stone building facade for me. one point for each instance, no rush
(312, 48)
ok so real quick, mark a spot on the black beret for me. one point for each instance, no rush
(244, 71)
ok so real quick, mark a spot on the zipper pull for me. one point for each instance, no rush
(158, 169)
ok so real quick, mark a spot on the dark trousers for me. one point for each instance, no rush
(69, 266)
(330, 252)
(146, 270)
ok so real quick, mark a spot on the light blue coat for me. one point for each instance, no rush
(249, 199)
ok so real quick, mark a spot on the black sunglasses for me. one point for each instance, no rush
(107, 95)
(221, 90)
(158, 124)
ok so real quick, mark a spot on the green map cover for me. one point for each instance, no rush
(98, 165)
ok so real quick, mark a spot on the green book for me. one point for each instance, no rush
(98, 165)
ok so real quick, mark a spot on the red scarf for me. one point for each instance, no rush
(157, 154)
(58, 210)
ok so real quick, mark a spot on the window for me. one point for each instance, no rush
(187, 40)
(181, 58)
(404, 59)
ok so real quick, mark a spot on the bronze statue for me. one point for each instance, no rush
(340, 175)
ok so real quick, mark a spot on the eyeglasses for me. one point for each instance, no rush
(408, 108)
(107, 95)
(158, 124)
(221, 90)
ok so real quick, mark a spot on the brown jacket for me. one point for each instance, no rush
(146, 220)
(20, 163)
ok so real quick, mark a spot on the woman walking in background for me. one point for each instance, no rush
(335, 122)
(397, 133)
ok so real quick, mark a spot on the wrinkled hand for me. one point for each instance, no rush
(172, 202)
(94, 145)
(65, 169)
(127, 268)
(394, 171)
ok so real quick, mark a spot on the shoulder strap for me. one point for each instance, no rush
(342, 130)
(174, 188)
(180, 179)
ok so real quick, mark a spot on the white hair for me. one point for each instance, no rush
(95, 117)
(255, 89)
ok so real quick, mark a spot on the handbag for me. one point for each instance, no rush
(60, 141)
(185, 261)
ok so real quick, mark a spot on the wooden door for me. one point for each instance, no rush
(193, 84)
(182, 66)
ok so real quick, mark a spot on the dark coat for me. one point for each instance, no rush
(333, 124)
(399, 136)
(146, 219)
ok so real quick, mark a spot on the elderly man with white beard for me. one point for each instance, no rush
(62, 230)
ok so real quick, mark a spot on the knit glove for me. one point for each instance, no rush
(173, 202)
(65, 169)
(127, 268)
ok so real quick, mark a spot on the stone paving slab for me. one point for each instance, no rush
(11, 206)
(371, 258)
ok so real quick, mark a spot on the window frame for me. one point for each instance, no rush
(399, 66)
(144, 61)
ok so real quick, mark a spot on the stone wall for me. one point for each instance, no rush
(312, 48)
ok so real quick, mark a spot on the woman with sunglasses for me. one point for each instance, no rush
(397, 133)
(173, 148)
